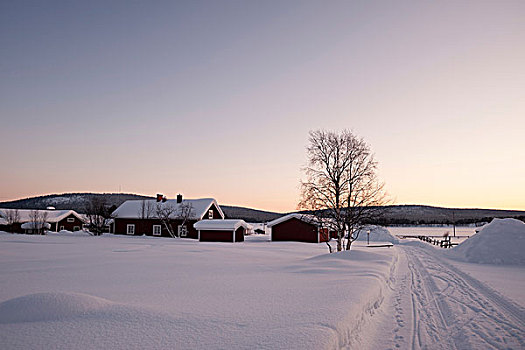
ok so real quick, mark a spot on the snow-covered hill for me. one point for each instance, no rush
(394, 214)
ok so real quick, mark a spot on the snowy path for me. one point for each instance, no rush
(436, 306)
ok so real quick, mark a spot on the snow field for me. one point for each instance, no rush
(116, 292)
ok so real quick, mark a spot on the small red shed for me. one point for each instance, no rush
(229, 230)
(299, 228)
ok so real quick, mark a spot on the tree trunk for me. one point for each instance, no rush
(339, 243)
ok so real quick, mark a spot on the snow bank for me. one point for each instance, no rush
(69, 233)
(49, 307)
(377, 234)
(500, 242)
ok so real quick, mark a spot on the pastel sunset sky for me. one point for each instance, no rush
(216, 98)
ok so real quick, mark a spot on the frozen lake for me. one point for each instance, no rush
(462, 232)
(432, 231)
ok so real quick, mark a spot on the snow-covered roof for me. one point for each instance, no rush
(132, 209)
(3, 221)
(311, 219)
(220, 225)
(52, 215)
(35, 225)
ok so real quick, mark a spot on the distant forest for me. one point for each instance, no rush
(394, 215)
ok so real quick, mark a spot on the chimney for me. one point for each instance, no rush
(179, 198)
(159, 197)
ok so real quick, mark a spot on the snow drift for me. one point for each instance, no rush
(500, 242)
(377, 234)
(50, 307)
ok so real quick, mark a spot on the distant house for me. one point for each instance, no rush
(4, 225)
(299, 228)
(140, 217)
(58, 220)
(35, 227)
(221, 230)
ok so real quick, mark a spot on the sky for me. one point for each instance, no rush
(216, 98)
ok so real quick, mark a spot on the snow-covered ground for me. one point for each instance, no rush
(70, 292)
(138, 292)
(437, 305)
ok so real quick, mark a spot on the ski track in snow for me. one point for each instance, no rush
(435, 306)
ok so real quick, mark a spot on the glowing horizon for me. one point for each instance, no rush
(215, 99)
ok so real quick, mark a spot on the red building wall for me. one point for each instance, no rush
(294, 230)
(323, 235)
(216, 236)
(216, 214)
(145, 227)
(239, 234)
(68, 225)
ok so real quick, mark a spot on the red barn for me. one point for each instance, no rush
(299, 228)
(221, 230)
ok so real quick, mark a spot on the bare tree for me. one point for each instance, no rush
(184, 213)
(99, 213)
(43, 220)
(38, 221)
(341, 185)
(12, 216)
(167, 212)
(146, 209)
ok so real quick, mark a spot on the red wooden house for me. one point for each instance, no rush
(58, 220)
(141, 217)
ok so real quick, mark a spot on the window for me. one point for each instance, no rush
(61, 228)
(183, 231)
(157, 229)
(76, 228)
(210, 214)
(70, 219)
(130, 229)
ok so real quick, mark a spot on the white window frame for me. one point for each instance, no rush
(183, 230)
(210, 214)
(76, 228)
(132, 227)
(61, 228)
(70, 219)
(159, 233)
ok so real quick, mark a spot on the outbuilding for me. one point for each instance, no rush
(298, 228)
(229, 230)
